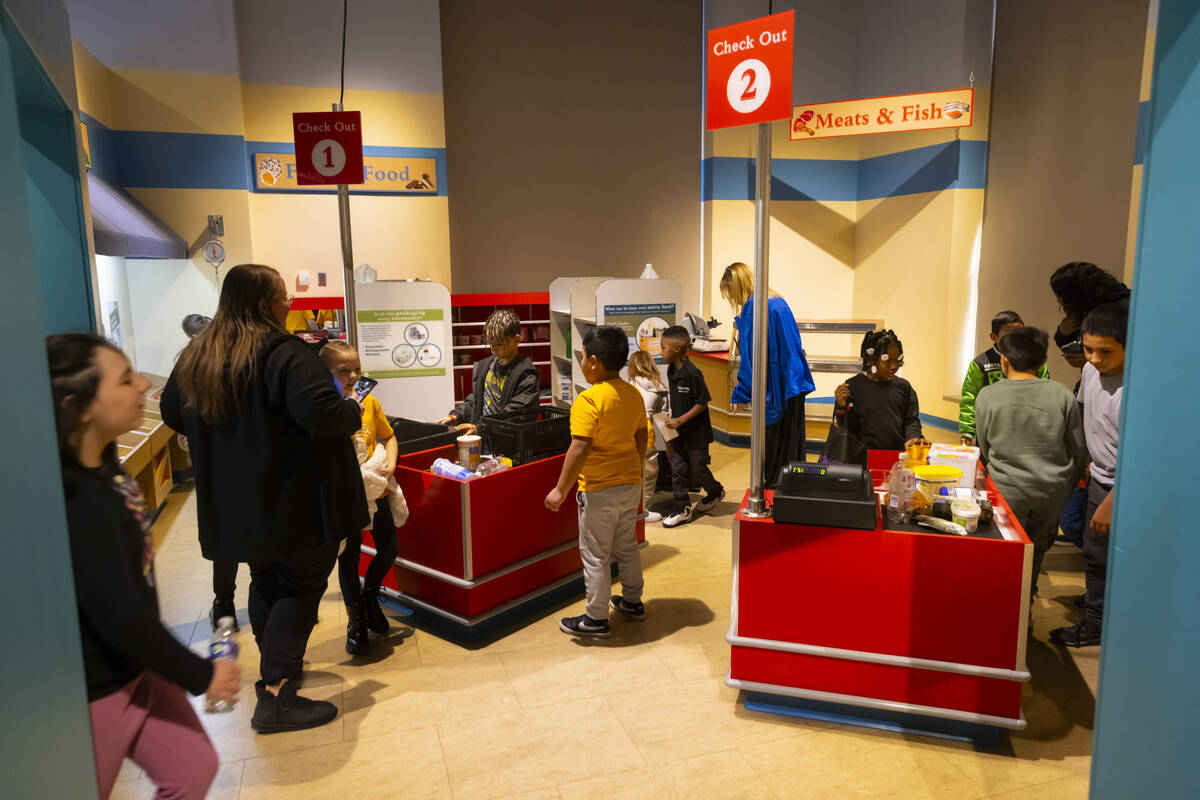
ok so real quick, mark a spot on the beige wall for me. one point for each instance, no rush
(1064, 115)
(573, 141)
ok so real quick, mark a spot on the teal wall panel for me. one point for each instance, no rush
(45, 739)
(1148, 709)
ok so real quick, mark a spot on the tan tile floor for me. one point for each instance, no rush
(536, 715)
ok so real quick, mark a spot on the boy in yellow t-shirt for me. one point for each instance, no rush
(608, 446)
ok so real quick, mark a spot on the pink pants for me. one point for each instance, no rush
(150, 721)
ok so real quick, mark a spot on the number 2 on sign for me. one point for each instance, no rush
(748, 76)
(748, 86)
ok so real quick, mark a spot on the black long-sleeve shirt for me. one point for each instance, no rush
(118, 606)
(882, 415)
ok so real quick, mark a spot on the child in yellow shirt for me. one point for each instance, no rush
(384, 497)
(608, 445)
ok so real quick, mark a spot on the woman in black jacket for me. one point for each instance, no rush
(277, 481)
(136, 670)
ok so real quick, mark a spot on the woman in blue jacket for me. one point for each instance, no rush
(788, 377)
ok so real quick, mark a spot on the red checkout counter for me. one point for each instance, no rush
(473, 550)
(896, 629)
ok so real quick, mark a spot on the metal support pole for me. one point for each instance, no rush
(343, 192)
(757, 506)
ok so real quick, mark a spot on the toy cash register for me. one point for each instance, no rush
(825, 495)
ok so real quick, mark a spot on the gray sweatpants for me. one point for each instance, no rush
(607, 530)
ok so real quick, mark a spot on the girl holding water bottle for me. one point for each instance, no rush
(136, 670)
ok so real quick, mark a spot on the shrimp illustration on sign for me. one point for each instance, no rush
(801, 123)
(955, 109)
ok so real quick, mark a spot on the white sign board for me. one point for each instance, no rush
(404, 342)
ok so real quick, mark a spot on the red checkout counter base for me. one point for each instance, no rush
(892, 629)
(475, 556)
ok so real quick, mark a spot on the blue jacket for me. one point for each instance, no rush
(787, 370)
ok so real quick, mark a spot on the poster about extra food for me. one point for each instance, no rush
(403, 343)
(643, 324)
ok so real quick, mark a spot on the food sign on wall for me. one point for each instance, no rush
(278, 172)
(906, 112)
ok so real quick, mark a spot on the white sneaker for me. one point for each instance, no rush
(653, 516)
(678, 518)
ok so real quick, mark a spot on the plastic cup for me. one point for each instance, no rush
(966, 513)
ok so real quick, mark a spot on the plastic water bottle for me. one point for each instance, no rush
(448, 469)
(493, 465)
(902, 484)
(222, 647)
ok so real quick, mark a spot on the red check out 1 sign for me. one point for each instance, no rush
(328, 147)
(750, 71)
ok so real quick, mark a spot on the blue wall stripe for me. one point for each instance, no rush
(1143, 132)
(102, 147)
(949, 165)
(151, 159)
(161, 160)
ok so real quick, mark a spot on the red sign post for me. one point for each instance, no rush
(328, 147)
(750, 71)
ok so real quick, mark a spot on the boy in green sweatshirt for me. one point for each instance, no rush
(984, 370)
(1030, 434)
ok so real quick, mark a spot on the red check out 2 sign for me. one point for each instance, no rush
(750, 72)
(328, 147)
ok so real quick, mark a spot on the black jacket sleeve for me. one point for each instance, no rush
(110, 599)
(307, 390)
(465, 411)
(169, 405)
(527, 391)
(912, 417)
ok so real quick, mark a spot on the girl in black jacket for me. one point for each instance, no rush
(136, 670)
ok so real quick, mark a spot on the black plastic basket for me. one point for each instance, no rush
(527, 435)
(413, 436)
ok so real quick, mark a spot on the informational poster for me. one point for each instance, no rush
(402, 344)
(643, 323)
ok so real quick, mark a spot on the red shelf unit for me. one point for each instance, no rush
(468, 312)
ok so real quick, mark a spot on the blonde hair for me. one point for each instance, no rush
(334, 350)
(641, 365)
(737, 285)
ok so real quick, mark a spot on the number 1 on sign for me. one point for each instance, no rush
(748, 86)
(328, 157)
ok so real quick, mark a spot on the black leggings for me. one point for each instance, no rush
(284, 596)
(383, 531)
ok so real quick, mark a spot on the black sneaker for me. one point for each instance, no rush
(288, 711)
(583, 625)
(709, 501)
(680, 516)
(356, 630)
(376, 620)
(1084, 634)
(631, 610)
(222, 608)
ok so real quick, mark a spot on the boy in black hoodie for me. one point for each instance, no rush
(504, 381)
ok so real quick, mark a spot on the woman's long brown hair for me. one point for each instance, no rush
(216, 366)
